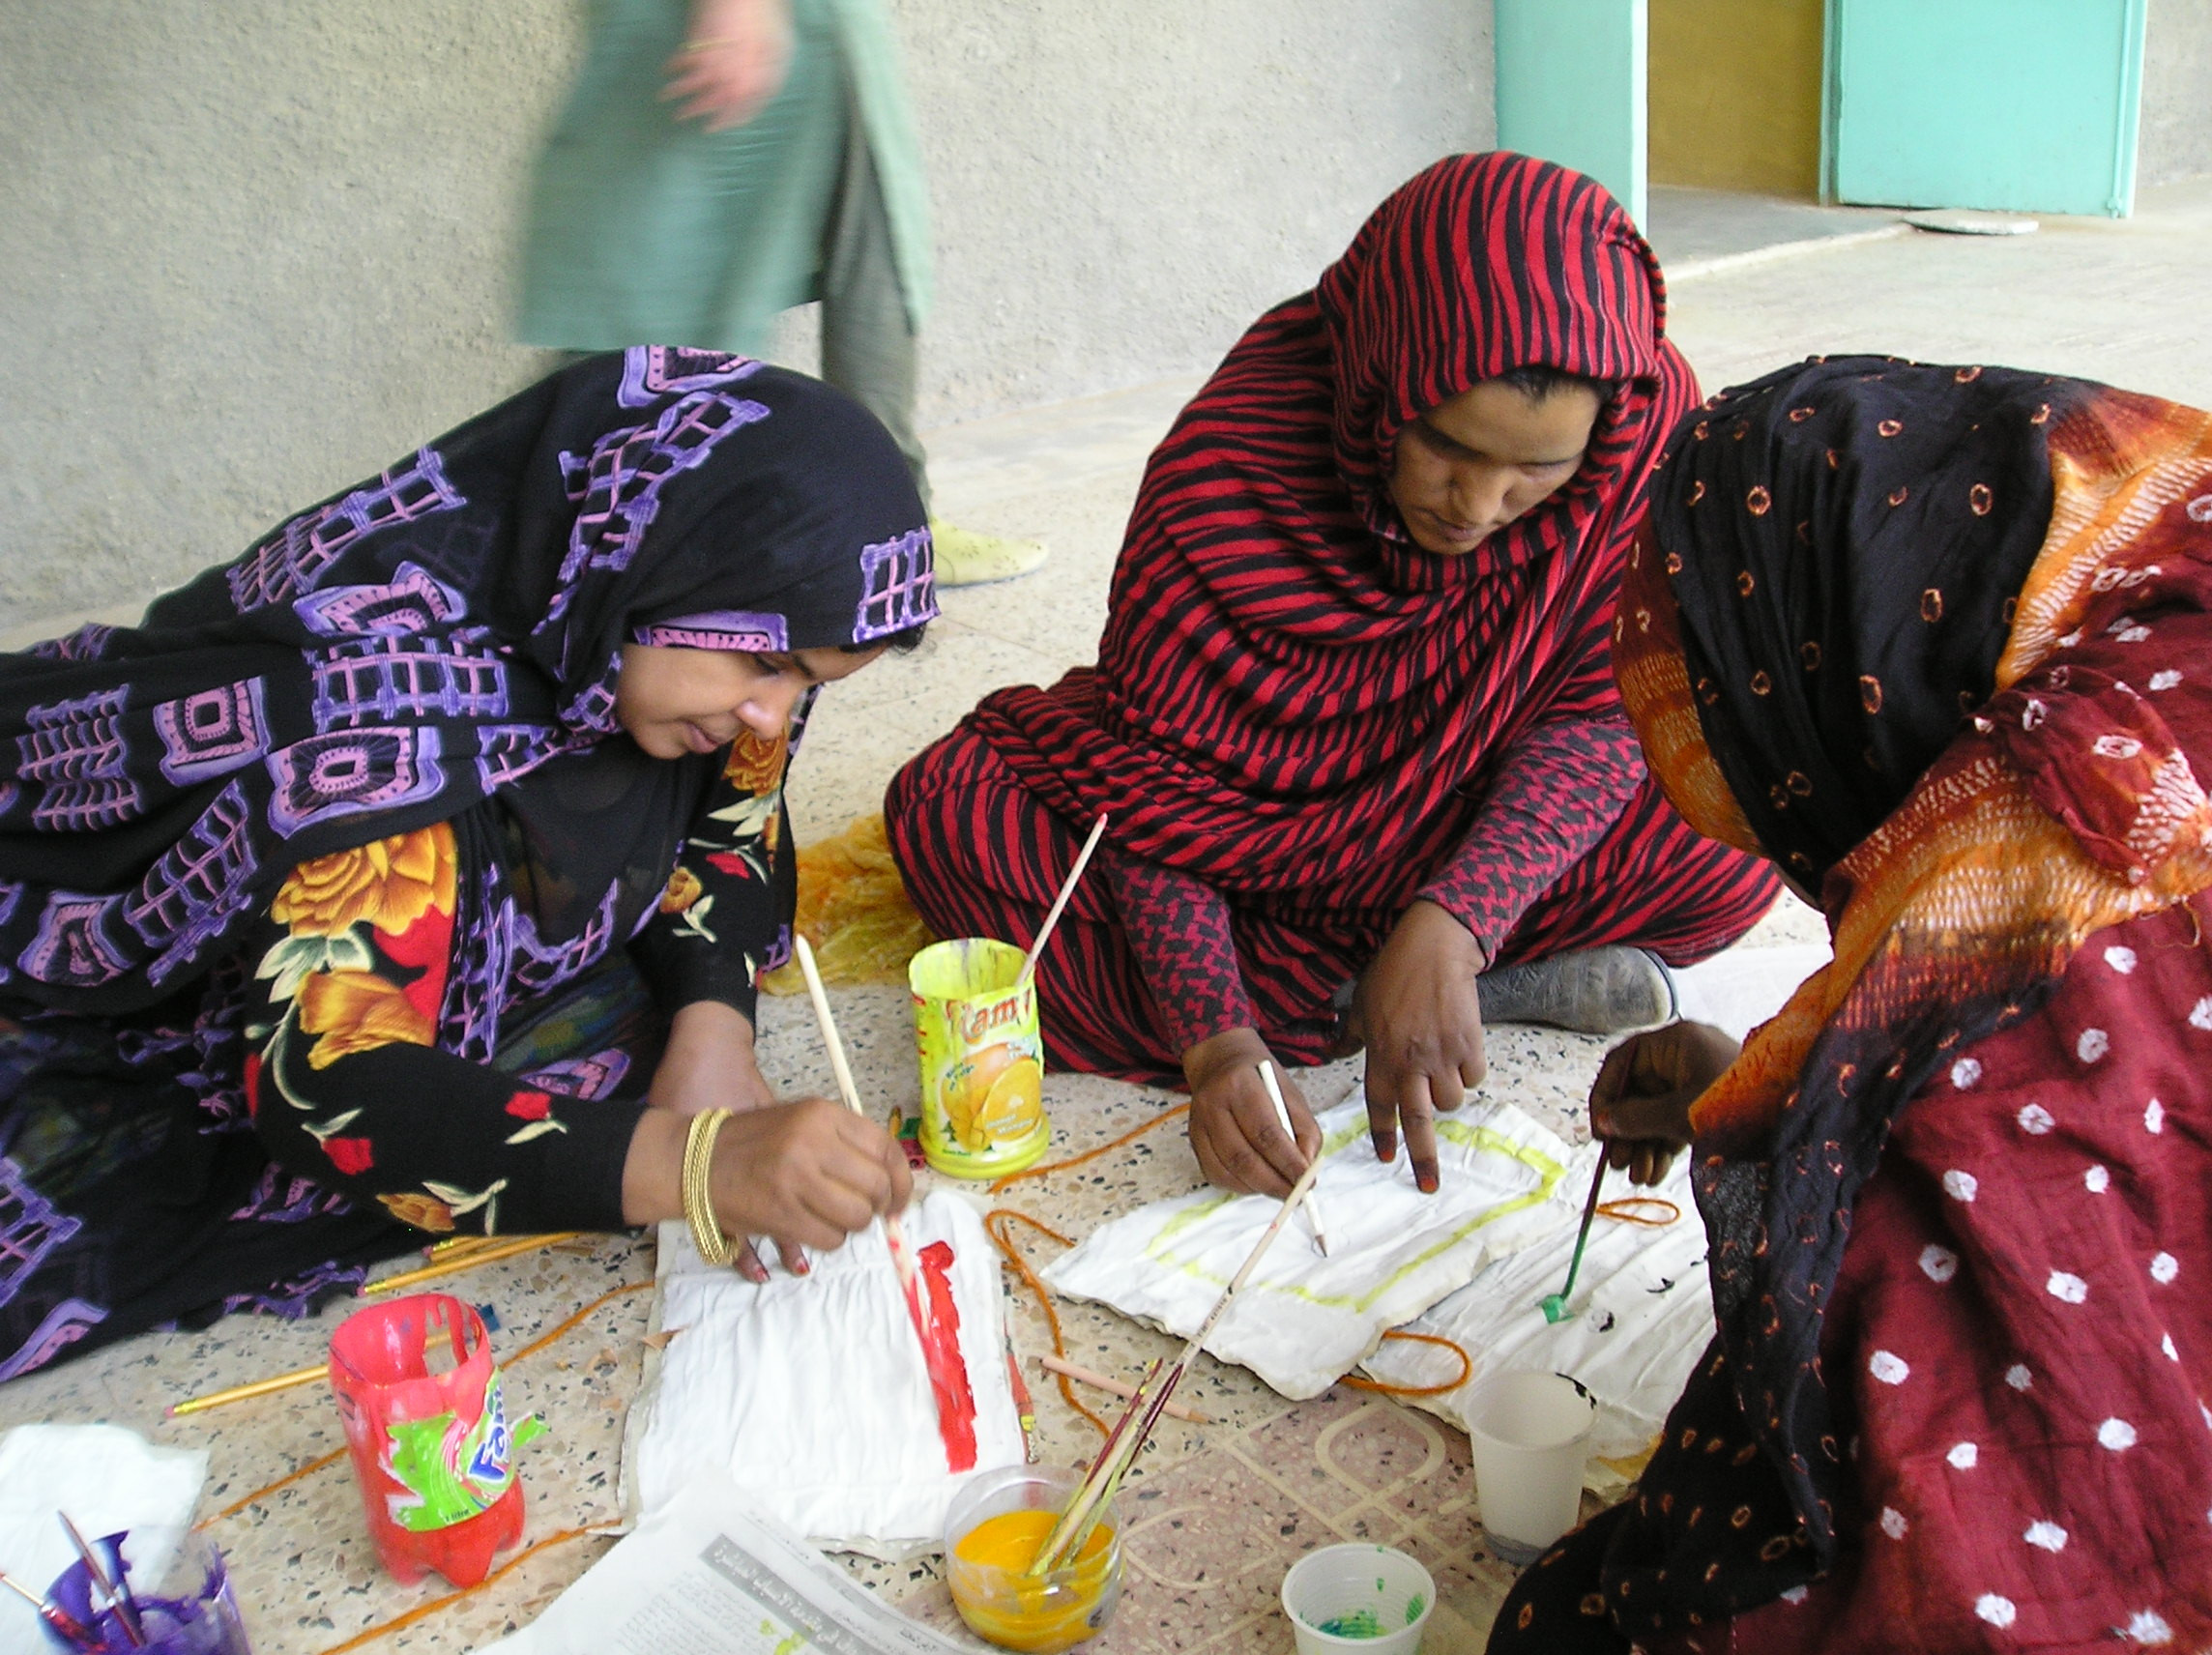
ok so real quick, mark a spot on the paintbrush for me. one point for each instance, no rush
(1121, 1448)
(894, 1233)
(111, 1588)
(66, 1625)
(491, 1252)
(1283, 1114)
(1060, 903)
(1115, 1387)
(1554, 1305)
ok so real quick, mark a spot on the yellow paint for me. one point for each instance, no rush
(1015, 1610)
(1161, 1250)
(1735, 95)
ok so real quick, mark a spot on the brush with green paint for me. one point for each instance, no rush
(1554, 1305)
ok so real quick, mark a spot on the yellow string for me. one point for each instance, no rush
(1130, 1136)
(1384, 1388)
(998, 1224)
(1625, 1211)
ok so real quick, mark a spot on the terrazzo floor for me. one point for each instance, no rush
(1218, 1511)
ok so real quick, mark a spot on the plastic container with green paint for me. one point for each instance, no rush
(1371, 1598)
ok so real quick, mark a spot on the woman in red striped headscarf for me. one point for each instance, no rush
(1352, 715)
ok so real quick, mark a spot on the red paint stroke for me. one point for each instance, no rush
(948, 1368)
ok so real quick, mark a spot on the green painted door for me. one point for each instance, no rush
(1570, 87)
(2019, 106)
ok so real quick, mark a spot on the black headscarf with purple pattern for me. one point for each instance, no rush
(393, 656)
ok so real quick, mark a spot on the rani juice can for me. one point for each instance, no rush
(982, 1059)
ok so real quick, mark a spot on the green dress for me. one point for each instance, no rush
(644, 228)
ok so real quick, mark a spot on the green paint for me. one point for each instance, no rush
(450, 1474)
(1360, 1623)
(1414, 1605)
(1379, 1586)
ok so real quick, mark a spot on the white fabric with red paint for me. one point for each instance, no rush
(811, 1393)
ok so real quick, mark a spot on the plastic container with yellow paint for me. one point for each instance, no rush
(992, 1533)
(982, 1059)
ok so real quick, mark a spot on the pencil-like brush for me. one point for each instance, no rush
(111, 1586)
(1554, 1305)
(1060, 903)
(1283, 1115)
(1082, 1512)
(894, 1233)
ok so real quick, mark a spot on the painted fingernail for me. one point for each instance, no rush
(754, 1271)
(802, 1265)
(1425, 1176)
(1385, 1146)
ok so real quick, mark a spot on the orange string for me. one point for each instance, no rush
(385, 1629)
(309, 1469)
(998, 1224)
(1382, 1387)
(1625, 1211)
(1161, 1120)
(314, 1465)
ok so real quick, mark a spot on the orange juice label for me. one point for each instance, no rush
(982, 1059)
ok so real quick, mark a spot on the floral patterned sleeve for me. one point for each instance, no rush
(347, 1086)
(724, 917)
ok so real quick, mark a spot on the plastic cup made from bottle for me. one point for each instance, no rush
(982, 1059)
(992, 1532)
(1531, 1434)
(425, 1419)
(1373, 1599)
(179, 1603)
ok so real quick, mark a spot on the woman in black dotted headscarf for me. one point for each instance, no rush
(1934, 640)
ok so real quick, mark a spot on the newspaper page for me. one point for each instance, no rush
(706, 1577)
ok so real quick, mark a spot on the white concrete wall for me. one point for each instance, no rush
(255, 248)
(2176, 132)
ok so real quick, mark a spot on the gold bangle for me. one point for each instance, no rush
(698, 1199)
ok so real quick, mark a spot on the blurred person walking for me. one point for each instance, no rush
(721, 161)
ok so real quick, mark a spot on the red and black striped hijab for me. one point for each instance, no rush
(1291, 696)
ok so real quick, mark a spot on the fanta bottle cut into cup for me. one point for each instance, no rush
(427, 1423)
(982, 1059)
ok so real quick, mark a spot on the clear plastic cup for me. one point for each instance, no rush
(183, 1605)
(1372, 1599)
(991, 1533)
(1531, 1434)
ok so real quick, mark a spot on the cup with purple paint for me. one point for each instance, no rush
(178, 1605)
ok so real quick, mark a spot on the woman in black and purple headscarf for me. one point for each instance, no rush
(324, 894)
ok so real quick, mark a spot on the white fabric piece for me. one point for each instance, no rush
(1304, 1321)
(107, 1478)
(1632, 1341)
(810, 1392)
(1738, 989)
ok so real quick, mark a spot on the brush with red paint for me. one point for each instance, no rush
(940, 1335)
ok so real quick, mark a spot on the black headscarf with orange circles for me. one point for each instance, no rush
(1848, 536)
